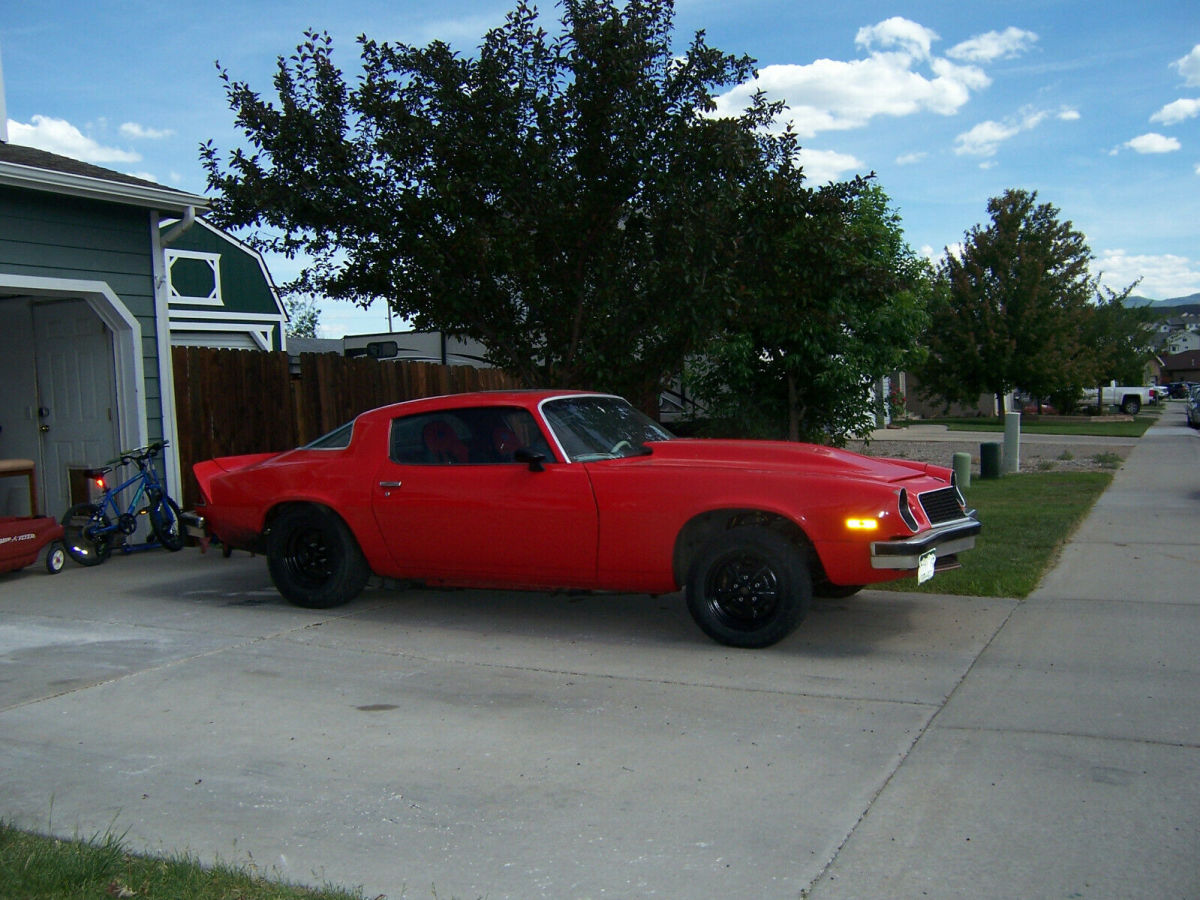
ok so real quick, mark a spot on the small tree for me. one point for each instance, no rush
(1119, 342)
(304, 316)
(831, 300)
(1013, 306)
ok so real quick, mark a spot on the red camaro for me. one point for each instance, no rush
(548, 490)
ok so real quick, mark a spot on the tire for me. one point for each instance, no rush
(167, 524)
(81, 545)
(1131, 406)
(56, 557)
(749, 587)
(313, 558)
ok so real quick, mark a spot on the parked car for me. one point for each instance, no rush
(547, 490)
(1128, 398)
(1193, 406)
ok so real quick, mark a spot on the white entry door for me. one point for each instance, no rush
(77, 414)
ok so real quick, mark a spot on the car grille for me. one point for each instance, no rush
(941, 505)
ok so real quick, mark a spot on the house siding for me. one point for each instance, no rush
(57, 236)
(248, 297)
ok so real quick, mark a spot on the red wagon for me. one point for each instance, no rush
(22, 539)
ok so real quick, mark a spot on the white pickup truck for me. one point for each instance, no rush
(1129, 400)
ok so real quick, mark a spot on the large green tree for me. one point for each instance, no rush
(833, 300)
(570, 201)
(1012, 306)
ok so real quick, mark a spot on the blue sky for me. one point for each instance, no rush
(1095, 107)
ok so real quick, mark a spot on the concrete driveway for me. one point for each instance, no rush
(475, 744)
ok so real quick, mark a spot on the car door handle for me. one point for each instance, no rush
(389, 484)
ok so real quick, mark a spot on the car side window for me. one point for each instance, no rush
(486, 435)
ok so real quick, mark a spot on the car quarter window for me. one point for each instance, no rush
(476, 435)
(338, 439)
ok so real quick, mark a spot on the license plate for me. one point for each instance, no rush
(925, 566)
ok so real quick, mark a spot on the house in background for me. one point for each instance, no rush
(220, 293)
(84, 317)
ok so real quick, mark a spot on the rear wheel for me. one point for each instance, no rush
(167, 524)
(749, 587)
(313, 558)
(1131, 406)
(86, 535)
(56, 557)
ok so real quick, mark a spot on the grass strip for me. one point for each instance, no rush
(100, 868)
(1026, 520)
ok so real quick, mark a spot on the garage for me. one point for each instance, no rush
(84, 339)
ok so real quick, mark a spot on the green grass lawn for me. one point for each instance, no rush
(1026, 520)
(35, 867)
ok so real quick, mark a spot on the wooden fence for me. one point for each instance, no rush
(229, 402)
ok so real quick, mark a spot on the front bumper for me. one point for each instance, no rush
(944, 540)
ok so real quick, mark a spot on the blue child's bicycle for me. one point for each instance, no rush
(92, 529)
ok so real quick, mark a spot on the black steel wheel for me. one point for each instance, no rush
(314, 559)
(85, 534)
(749, 587)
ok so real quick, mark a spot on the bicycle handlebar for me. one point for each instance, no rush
(141, 454)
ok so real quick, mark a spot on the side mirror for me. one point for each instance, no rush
(535, 459)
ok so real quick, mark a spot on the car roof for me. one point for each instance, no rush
(528, 399)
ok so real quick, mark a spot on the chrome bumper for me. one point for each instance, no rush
(948, 539)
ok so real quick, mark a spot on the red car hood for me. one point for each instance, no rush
(784, 456)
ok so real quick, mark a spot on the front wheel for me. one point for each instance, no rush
(314, 559)
(167, 524)
(749, 587)
(87, 534)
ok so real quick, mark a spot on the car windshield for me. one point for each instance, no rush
(590, 428)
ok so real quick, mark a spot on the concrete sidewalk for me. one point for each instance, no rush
(474, 743)
(1067, 762)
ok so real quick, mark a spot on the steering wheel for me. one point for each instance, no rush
(621, 445)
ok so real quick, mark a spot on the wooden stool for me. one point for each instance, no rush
(14, 467)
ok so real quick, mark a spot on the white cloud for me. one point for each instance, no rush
(1069, 115)
(1162, 277)
(902, 35)
(140, 132)
(993, 45)
(1174, 113)
(898, 77)
(823, 166)
(1153, 143)
(909, 159)
(61, 137)
(1189, 67)
(986, 137)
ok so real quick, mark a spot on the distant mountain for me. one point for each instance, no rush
(1189, 300)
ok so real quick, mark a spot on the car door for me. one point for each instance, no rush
(454, 505)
